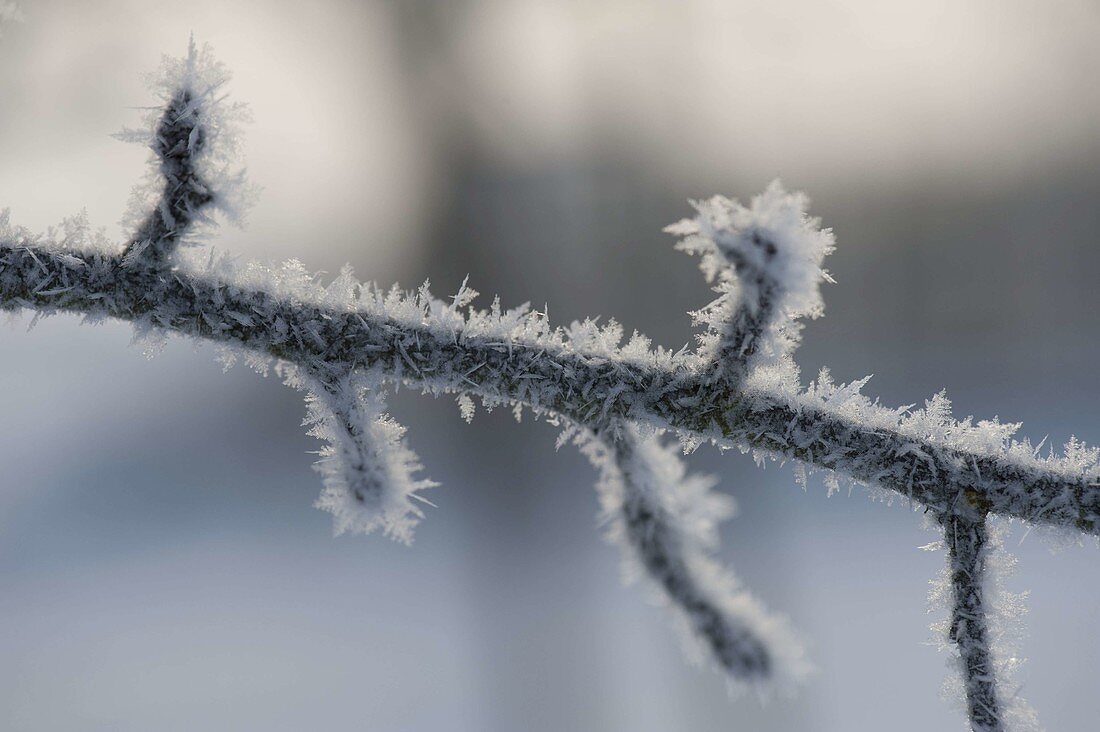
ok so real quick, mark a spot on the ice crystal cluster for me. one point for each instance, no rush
(344, 344)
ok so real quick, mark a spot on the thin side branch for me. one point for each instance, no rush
(967, 542)
(369, 472)
(665, 520)
(179, 140)
(751, 312)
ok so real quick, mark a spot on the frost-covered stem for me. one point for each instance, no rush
(968, 548)
(368, 471)
(344, 343)
(664, 549)
(551, 378)
(750, 314)
(766, 259)
(349, 421)
(179, 140)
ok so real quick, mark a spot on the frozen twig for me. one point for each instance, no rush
(767, 264)
(193, 141)
(665, 519)
(515, 357)
(369, 472)
(967, 546)
(740, 388)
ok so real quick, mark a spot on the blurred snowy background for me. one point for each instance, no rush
(160, 565)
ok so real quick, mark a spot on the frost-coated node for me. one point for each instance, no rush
(345, 343)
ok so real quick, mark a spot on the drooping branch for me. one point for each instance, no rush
(665, 521)
(967, 542)
(369, 472)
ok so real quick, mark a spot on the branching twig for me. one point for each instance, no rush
(739, 388)
(555, 376)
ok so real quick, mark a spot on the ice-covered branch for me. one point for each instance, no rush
(193, 141)
(515, 356)
(967, 546)
(741, 388)
(766, 259)
(369, 472)
(180, 138)
(665, 521)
